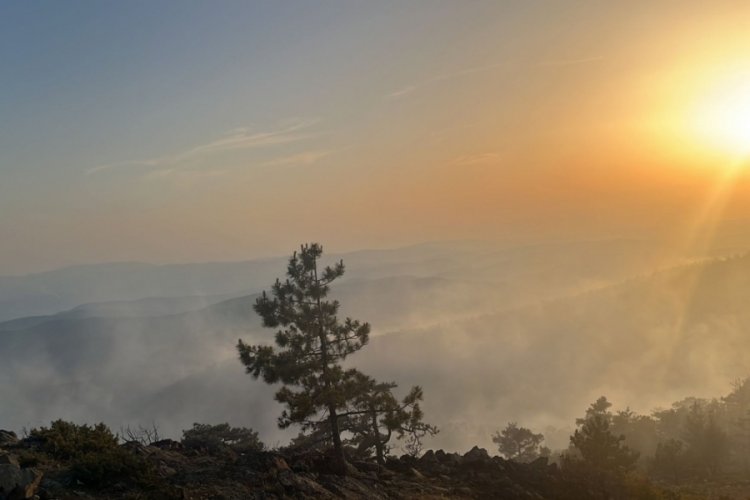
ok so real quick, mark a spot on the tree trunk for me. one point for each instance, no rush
(339, 459)
(378, 443)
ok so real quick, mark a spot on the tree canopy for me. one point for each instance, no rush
(311, 342)
(518, 443)
(376, 415)
(597, 444)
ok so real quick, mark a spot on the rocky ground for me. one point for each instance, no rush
(173, 472)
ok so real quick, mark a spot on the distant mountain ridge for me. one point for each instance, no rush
(52, 292)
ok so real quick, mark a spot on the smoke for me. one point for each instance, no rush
(493, 335)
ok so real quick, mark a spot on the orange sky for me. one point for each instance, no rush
(371, 126)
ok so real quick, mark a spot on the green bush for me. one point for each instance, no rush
(93, 453)
(216, 438)
(30, 458)
(106, 467)
(66, 440)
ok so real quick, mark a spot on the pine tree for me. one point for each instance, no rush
(376, 414)
(708, 443)
(597, 444)
(518, 443)
(311, 343)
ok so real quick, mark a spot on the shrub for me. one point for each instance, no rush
(66, 440)
(217, 438)
(95, 458)
(97, 469)
(31, 458)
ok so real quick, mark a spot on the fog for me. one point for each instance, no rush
(493, 333)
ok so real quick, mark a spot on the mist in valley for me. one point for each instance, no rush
(494, 334)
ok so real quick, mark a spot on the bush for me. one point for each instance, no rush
(66, 440)
(217, 438)
(107, 467)
(31, 458)
(95, 458)
(581, 475)
(669, 461)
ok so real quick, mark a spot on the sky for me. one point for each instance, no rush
(179, 131)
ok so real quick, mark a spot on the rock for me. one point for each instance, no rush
(428, 458)
(463, 492)
(10, 477)
(396, 464)
(476, 454)
(430, 465)
(167, 444)
(165, 470)
(453, 459)
(366, 466)
(30, 481)
(8, 438)
(350, 469)
(386, 474)
(279, 464)
(416, 474)
(300, 483)
(136, 448)
(51, 489)
(17, 483)
(499, 463)
(351, 488)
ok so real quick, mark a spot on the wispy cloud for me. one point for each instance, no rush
(401, 92)
(570, 62)
(236, 139)
(305, 158)
(185, 175)
(477, 159)
(410, 89)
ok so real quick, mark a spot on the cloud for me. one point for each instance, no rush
(570, 62)
(186, 175)
(236, 139)
(305, 158)
(410, 89)
(401, 92)
(477, 159)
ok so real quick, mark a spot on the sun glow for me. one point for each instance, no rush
(721, 115)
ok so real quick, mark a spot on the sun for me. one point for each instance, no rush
(721, 115)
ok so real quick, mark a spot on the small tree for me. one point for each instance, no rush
(518, 443)
(708, 443)
(142, 435)
(376, 415)
(599, 407)
(317, 438)
(669, 459)
(412, 425)
(597, 444)
(216, 438)
(312, 342)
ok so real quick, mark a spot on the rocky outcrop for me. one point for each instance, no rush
(8, 438)
(185, 474)
(17, 483)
